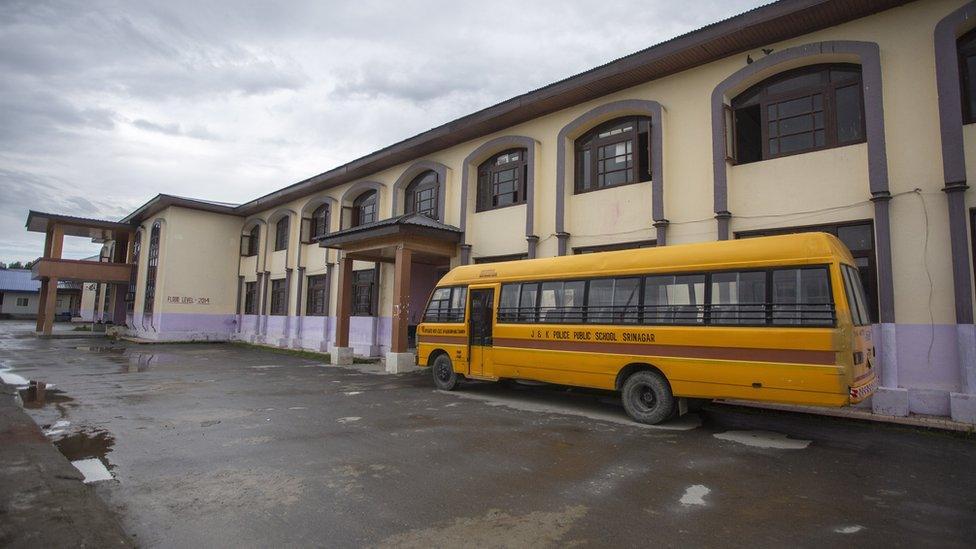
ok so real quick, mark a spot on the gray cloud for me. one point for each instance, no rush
(104, 103)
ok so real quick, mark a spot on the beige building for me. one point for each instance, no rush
(851, 117)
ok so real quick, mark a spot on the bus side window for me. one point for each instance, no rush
(527, 307)
(738, 298)
(508, 305)
(439, 304)
(802, 297)
(674, 299)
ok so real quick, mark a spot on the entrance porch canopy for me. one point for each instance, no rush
(50, 268)
(400, 240)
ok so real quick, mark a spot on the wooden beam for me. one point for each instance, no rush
(344, 309)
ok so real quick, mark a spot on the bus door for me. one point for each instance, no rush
(479, 332)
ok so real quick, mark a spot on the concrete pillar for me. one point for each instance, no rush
(50, 300)
(41, 305)
(342, 352)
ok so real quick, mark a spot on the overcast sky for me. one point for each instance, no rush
(104, 104)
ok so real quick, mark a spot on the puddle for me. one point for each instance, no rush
(763, 439)
(32, 401)
(94, 443)
(695, 495)
(93, 469)
(56, 429)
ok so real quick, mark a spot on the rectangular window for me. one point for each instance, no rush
(499, 258)
(22, 301)
(670, 299)
(738, 298)
(364, 293)
(508, 304)
(802, 297)
(446, 305)
(250, 298)
(613, 301)
(561, 302)
(318, 296)
(281, 234)
(527, 302)
(279, 296)
(615, 247)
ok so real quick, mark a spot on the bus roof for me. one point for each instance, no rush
(768, 251)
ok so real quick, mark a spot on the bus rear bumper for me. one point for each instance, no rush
(864, 390)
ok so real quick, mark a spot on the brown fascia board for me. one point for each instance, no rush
(160, 202)
(747, 31)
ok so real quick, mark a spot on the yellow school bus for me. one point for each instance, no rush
(778, 319)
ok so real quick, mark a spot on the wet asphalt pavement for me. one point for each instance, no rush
(232, 446)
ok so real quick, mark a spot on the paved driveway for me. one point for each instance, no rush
(223, 445)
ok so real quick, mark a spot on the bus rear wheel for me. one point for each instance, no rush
(445, 378)
(647, 397)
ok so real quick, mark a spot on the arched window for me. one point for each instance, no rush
(253, 240)
(320, 221)
(420, 195)
(806, 109)
(501, 180)
(614, 153)
(152, 264)
(364, 209)
(130, 294)
(966, 47)
(281, 234)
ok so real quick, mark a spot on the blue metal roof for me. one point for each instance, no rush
(18, 280)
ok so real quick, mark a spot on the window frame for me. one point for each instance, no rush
(250, 301)
(454, 315)
(516, 315)
(318, 226)
(485, 185)
(592, 141)
(427, 180)
(871, 289)
(615, 247)
(281, 236)
(366, 198)
(314, 284)
(828, 90)
(152, 268)
(373, 284)
(500, 258)
(967, 81)
(278, 305)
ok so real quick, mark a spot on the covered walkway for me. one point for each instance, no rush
(51, 267)
(405, 241)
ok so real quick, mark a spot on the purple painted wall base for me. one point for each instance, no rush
(184, 327)
(368, 336)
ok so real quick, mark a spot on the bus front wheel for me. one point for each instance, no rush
(445, 378)
(647, 397)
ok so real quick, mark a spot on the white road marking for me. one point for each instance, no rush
(849, 529)
(695, 495)
(93, 469)
(763, 439)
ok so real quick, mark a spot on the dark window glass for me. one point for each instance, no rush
(318, 296)
(615, 247)
(562, 301)
(446, 305)
(499, 258)
(364, 209)
(250, 298)
(508, 303)
(858, 237)
(966, 47)
(501, 180)
(320, 221)
(854, 289)
(614, 153)
(805, 109)
(527, 302)
(802, 297)
(613, 301)
(421, 195)
(152, 265)
(738, 298)
(670, 299)
(281, 234)
(253, 240)
(364, 293)
(279, 296)
(130, 294)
